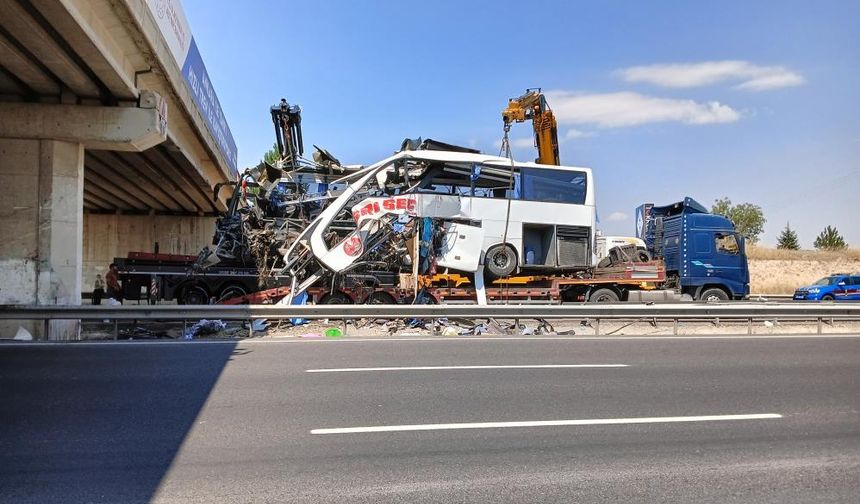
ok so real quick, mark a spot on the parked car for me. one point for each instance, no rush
(836, 287)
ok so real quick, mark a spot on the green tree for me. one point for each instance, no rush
(272, 155)
(747, 217)
(787, 239)
(830, 239)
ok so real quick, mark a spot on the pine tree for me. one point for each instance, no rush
(830, 239)
(787, 239)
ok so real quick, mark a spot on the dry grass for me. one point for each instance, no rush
(767, 253)
(774, 271)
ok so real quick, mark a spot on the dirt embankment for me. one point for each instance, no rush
(774, 271)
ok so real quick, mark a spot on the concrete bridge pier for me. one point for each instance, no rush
(41, 229)
(41, 213)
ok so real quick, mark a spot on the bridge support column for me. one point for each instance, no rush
(41, 229)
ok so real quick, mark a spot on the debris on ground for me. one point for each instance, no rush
(204, 327)
(138, 332)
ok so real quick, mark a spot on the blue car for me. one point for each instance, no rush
(836, 287)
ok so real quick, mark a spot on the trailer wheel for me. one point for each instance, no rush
(232, 291)
(603, 296)
(195, 295)
(500, 261)
(380, 297)
(714, 295)
(336, 298)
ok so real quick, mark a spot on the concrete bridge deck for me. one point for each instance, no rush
(111, 139)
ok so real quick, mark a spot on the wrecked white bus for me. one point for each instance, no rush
(492, 215)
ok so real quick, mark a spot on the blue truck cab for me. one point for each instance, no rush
(704, 254)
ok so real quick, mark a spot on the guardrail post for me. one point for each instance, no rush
(749, 326)
(46, 329)
(115, 329)
(675, 326)
(819, 325)
(597, 327)
(344, 328)
(250, 328)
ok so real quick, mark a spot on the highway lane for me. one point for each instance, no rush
(234, 422)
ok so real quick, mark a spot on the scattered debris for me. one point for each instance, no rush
(333, 332)
(204, 327)
(138, 332)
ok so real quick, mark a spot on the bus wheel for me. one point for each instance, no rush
(500, 261)
(603, 296)
(714, 295)
(195, 295)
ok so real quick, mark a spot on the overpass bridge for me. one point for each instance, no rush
(111, 139)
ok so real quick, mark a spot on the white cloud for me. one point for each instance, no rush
(522, 143)
(617, 217)
(575, 133)
(774, 81)
(687, 75)
(516, 143)
(614, 110)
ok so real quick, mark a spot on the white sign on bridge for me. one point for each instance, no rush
(171, 20)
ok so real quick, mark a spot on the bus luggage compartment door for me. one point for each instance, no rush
(572, 243)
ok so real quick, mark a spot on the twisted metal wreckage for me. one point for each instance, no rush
(273, 207)
(430, 207)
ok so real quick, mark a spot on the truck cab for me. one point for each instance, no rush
(705, 256)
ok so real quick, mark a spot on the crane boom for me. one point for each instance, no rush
(533, 106)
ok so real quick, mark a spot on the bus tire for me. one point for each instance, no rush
(603, 296)
(500, 261)
(713, 295)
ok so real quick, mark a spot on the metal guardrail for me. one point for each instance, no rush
(595, 312)
(805, 311)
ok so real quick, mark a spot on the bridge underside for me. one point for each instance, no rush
(102, 151)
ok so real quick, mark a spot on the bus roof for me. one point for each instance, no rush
(468, 157)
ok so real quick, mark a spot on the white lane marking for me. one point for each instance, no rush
(445, 368)
(544, 423)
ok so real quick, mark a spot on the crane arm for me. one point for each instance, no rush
(533, 106)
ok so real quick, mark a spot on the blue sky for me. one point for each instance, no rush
(756, 101)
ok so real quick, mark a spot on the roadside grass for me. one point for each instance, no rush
(766, 253)
(775, 271)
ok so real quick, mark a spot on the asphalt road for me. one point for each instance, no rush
(247, 422)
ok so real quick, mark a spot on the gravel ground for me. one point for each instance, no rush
(369, 328)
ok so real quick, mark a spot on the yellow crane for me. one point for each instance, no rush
(532, 107)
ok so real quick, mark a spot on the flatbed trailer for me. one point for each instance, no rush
(613, 284)
(174, 277)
